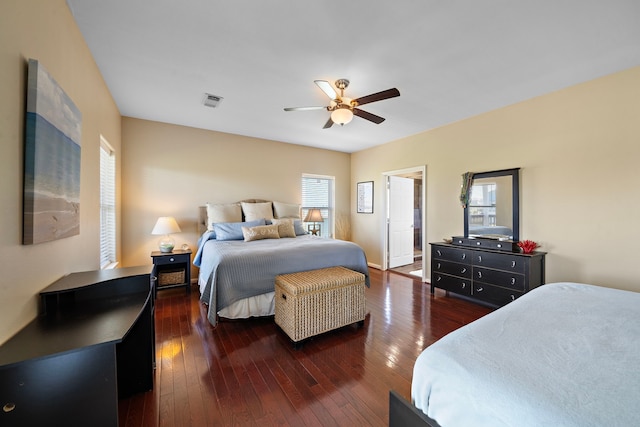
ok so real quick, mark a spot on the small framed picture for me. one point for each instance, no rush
(365, 197)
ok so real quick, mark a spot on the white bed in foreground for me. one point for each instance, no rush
(564, 354)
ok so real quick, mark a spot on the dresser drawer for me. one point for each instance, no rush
(451, 283)
(494, 294)
(451, 254)
(505, 279)
(452, 268)
(504, 262)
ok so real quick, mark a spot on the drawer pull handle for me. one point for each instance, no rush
(438, 267)
(479, 258)
(480, 289)
(464, 270)
(513, 297)
(478, 243)
(154, 278)
(439, 278)
(171, 259)
(513, 264)
(479, 274)
(439, 253)
(8, 407)
(513, 280)
(464, 255)
(499, 245)
(464, 285)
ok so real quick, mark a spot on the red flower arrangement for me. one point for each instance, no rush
(528, 246)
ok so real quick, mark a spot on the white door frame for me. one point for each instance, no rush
(385, 217)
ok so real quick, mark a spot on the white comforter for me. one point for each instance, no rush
(565, 354)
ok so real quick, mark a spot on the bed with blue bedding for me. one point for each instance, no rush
(236, 273)
(564, 354)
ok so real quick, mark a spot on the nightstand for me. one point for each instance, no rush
(172, 269)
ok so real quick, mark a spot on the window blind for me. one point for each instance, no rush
(107, 205)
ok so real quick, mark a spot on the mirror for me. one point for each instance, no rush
(493, 209)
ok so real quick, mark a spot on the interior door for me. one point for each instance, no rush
(400, 221)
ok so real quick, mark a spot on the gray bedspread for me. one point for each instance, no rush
(233, 270)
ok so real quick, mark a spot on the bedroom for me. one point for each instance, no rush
(577, 148)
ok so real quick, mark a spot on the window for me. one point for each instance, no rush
(107, 205)
(318, 192)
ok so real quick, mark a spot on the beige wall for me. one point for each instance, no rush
(170, 170)
(45, 30)
(579, 151)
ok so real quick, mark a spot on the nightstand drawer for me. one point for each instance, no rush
(172, 259)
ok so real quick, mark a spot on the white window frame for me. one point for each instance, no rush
(327, 228)
(108, 255)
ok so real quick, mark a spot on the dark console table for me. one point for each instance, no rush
(92, 342)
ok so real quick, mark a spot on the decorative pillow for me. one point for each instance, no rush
(285, 227)
(297, 226)
(230, 212)
(286, 210)
(233, 230)
(253, 211)
(260, 232)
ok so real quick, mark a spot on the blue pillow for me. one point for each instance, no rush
(297, 226)
(233, 230)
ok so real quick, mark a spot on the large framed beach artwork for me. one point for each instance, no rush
(51, 160)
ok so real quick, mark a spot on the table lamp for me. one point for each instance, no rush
(314, 216)
(166, 225)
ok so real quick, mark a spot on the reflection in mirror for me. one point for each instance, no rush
(492, 210)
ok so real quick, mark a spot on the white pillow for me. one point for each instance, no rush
(253, 211)
(286, 210)
(230, 212)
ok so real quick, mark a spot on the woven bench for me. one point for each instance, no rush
(309, 303)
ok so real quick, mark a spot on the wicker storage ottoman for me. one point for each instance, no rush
(309, 303)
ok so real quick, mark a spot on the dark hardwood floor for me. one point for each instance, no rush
(246, 373)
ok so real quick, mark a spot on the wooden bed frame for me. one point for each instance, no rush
(404, 414)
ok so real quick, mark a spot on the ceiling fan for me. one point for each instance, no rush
(342, 108)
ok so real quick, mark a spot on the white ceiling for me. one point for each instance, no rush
(449, 59)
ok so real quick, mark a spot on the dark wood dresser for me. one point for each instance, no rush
(493, 277)
(92, 343)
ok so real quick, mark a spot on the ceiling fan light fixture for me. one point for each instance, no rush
(342, 115)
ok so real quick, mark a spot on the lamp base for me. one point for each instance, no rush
(166, 244)
(314, 229)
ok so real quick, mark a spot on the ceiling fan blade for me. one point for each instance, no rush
(328, 124)
(385, 94)
(326, 87)
(304, 108)
(368, 116)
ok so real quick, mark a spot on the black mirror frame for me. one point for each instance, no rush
(515, 188)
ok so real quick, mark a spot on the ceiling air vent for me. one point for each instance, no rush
(212, 100)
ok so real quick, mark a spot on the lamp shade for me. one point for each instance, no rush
(313, 215)
(166, 225)
(341, 115)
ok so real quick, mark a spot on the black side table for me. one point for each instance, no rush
(172, 269)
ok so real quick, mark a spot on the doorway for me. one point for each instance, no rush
(404, 221)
